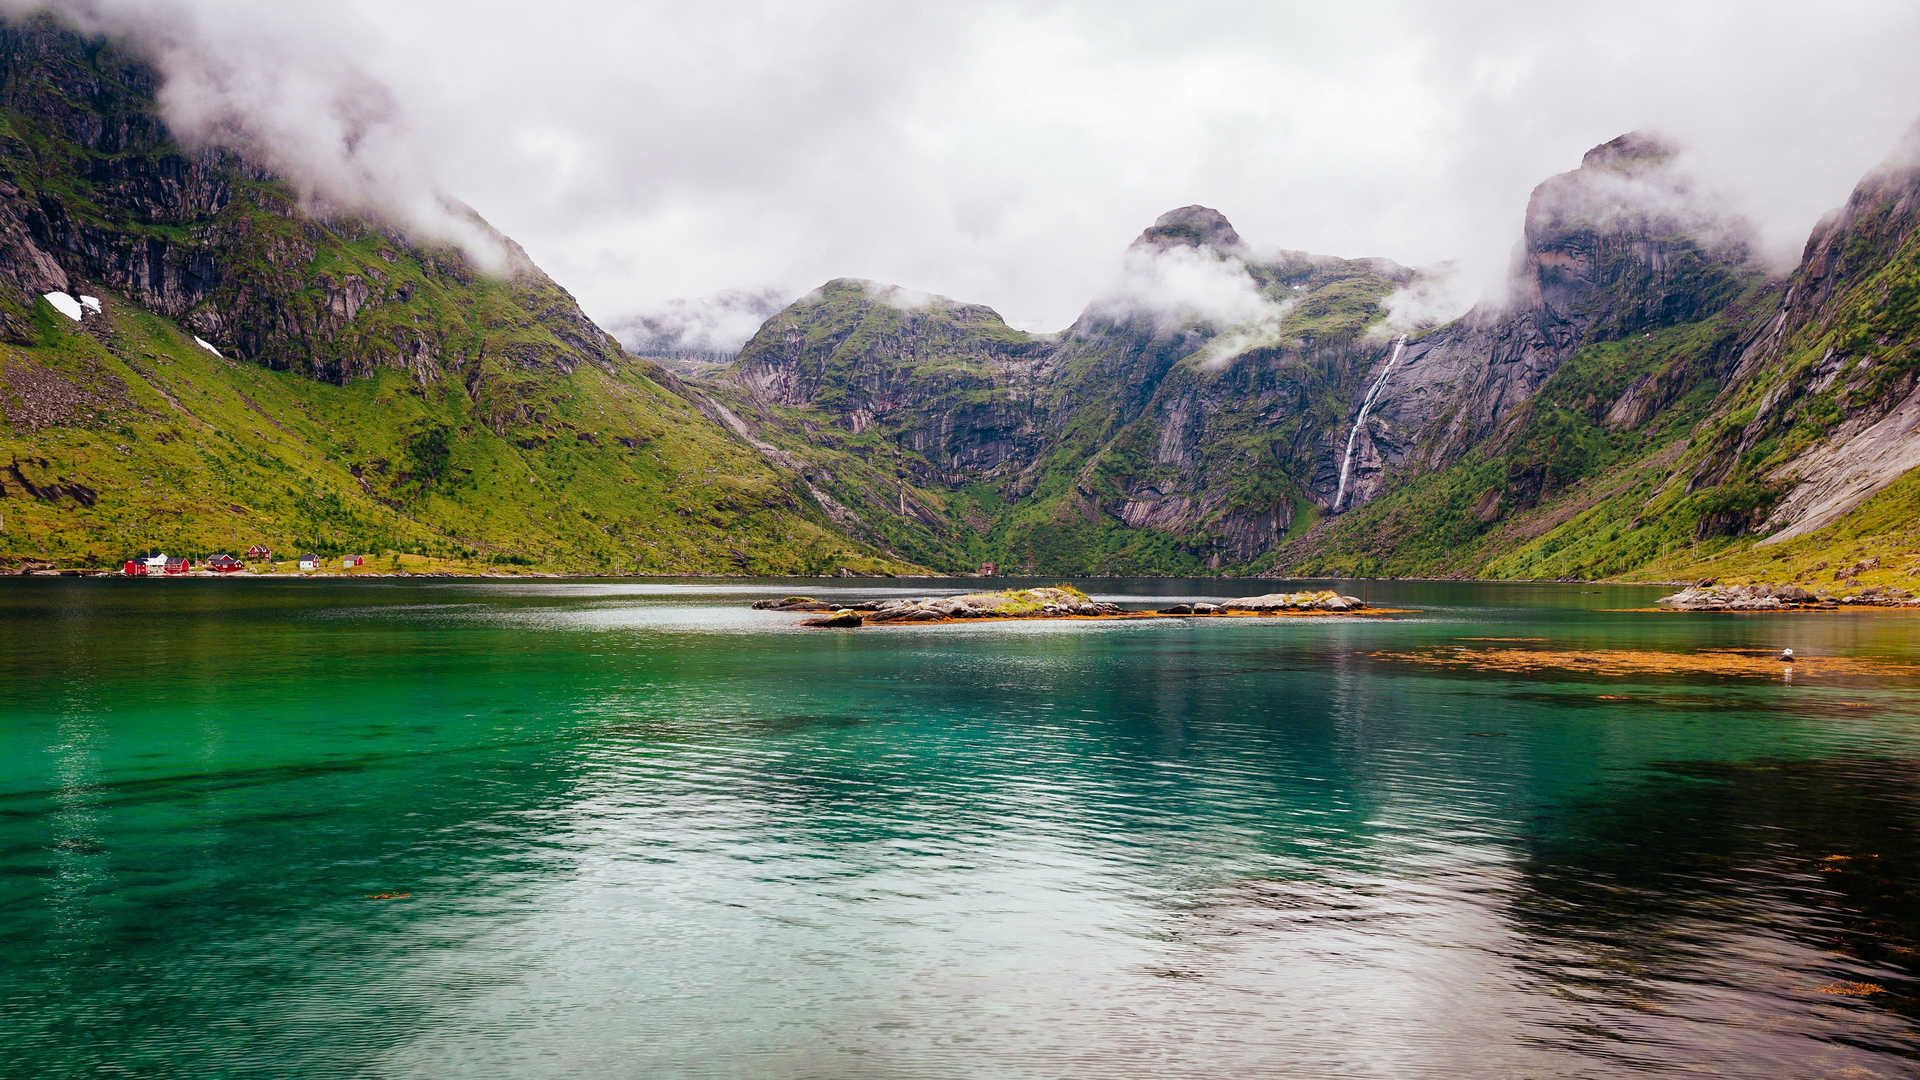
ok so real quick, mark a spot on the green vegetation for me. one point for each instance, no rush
(1023, 601)
(384, 397)
(185, 451)
(377, 396)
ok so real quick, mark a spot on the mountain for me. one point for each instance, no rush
(1767, 430)
(1151, 436)
(1648, 400)
(249, 366)
(261, 370)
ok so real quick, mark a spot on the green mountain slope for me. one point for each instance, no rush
(946, 436)
(1773, 440)
(372, 394)
(1649, 404)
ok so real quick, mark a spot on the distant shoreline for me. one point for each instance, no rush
(290, 575)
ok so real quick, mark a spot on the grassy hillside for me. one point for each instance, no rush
(377, 395)
(122, 434)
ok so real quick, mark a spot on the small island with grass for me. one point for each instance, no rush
(1058, 602)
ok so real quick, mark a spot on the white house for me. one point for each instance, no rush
(309, 562)
(156, 561)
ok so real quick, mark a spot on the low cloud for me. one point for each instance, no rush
(997, 152)
(1180, 287)
(1437, 294)
(284, 92)
(717, 324)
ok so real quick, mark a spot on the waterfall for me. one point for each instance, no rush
(1366, 404)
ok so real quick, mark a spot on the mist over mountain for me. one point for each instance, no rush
(269, 289)
(647, 152)
(710, 326)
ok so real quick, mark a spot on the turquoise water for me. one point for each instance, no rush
(641, 830)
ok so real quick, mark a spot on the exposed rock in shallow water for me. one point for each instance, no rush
(1045, 603)
(1058, 602)
(1713, 598)
(1320, 600)
(842, 617)
(1764, 597)
(794, 603)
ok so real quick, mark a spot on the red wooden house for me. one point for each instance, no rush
(260, 553)
(224, 564)
(135, 568)
(177, 567)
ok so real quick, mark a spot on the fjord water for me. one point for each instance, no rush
(575, 829)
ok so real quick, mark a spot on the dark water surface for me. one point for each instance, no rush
(645, 832)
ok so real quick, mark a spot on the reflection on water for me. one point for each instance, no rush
(644, 831)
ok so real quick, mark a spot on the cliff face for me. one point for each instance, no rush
(370, 393)
(1615, 248)
(1645, 397)
(951, 383)
(1644, 392)
(1142, 437)
(1699, 419)
(1829, 393)
(99, 196)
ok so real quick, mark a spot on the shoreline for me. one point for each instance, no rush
(114, 572)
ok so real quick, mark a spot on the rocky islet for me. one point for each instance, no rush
(1052, 602)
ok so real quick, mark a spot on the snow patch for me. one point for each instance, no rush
(65, 305)
(91, 303)
(205, 344)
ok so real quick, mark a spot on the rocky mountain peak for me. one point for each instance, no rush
(1630, 152)
(1190, 226)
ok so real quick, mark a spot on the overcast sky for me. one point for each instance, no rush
(1006, 154)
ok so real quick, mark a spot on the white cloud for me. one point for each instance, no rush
(1184, 286)
(1000, 152)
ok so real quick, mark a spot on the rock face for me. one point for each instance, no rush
(1191, 226)
(1136, 439)
(1143, 440)
(1613, 249)
(102, 198)
(432, 409)
(1835, 369)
